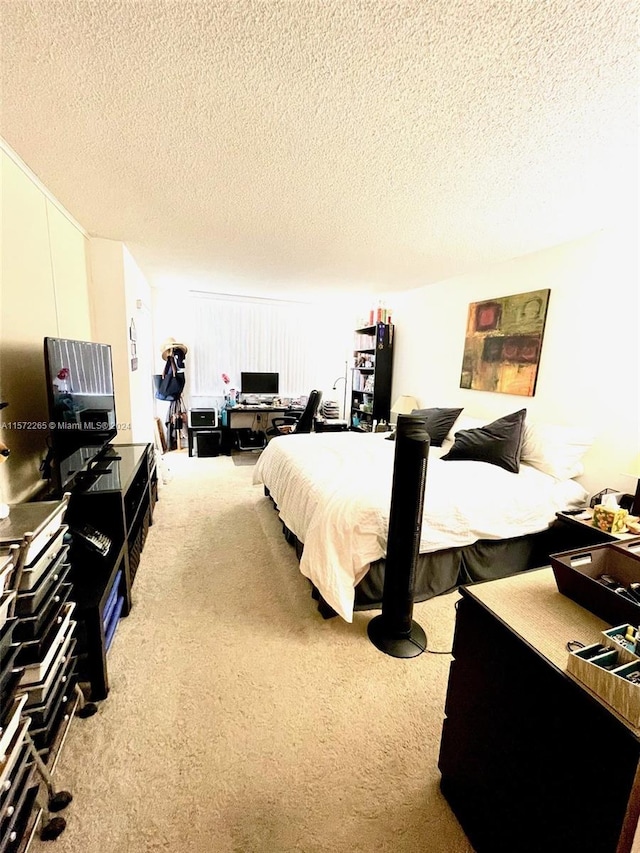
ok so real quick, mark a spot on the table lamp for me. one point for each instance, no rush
(404, 405)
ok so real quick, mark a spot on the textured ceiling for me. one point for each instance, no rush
(311, 143)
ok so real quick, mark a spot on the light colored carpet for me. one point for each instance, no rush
(239, 721)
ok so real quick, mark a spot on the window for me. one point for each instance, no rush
(233, 333)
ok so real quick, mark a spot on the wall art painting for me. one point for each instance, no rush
(503, 342)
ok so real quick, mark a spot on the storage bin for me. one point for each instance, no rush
(10, 796)
(8, 732)
(6, 602)
(605, 675)
(39, 692)
(13, 753)
(41, 714)
(29, 601)
(6, 570)
(577, 572)
(34, 570)
(28, 517)
(35, 672)
(6, 637)
(208, 442)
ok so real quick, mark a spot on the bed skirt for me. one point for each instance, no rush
(442, 571)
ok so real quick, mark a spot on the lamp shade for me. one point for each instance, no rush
(404, 405)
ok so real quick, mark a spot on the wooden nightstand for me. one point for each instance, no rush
(566, 533)
(584, 523)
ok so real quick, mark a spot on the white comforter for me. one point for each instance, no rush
(333, 490)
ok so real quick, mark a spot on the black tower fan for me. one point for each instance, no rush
(394, 631)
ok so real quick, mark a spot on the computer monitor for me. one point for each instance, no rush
(259, 383)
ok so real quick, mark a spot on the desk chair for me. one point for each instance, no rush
(289, 424)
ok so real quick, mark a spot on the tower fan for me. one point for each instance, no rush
(394, 631)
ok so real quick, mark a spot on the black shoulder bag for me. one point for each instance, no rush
(170, 385)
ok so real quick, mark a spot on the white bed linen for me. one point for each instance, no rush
(333, 490)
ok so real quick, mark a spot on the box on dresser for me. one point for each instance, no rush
(578, 574)
(606, 672)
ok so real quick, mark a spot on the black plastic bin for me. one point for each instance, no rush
(249, 439)
(208, 442)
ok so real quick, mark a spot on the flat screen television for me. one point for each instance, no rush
(259, 383)
(82, 406)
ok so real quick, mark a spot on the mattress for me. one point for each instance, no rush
(333, 491)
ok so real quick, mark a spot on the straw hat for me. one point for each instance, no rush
(171, 344)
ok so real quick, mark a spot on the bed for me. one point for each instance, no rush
(333, 494)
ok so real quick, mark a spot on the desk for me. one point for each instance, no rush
(531, 760)
(231, 411)
(255, 419)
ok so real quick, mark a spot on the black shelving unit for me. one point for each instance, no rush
(117, 504)
(371, 374)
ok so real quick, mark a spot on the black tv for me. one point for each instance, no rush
(82, 406)
(259, 383)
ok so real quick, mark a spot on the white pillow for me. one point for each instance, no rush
(555, 450)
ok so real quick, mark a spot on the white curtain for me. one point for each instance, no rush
(234, 334)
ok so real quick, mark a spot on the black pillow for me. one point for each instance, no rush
(438, 423)
(498, 443)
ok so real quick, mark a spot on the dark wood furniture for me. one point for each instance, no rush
(531, 760)
(373, 362)
(565, 534)
(118, 503)
(583, 528)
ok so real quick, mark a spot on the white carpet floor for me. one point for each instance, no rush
(240, 721)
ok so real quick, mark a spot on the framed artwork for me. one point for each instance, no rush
(503, 342)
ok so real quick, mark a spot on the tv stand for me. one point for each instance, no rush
(117, 502)
(90, 476)
(109, 454)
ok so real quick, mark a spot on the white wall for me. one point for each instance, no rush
(108, 311)
(57, 281)
(590, 360)
(43, 291)
(138, 312)
(117, 286)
